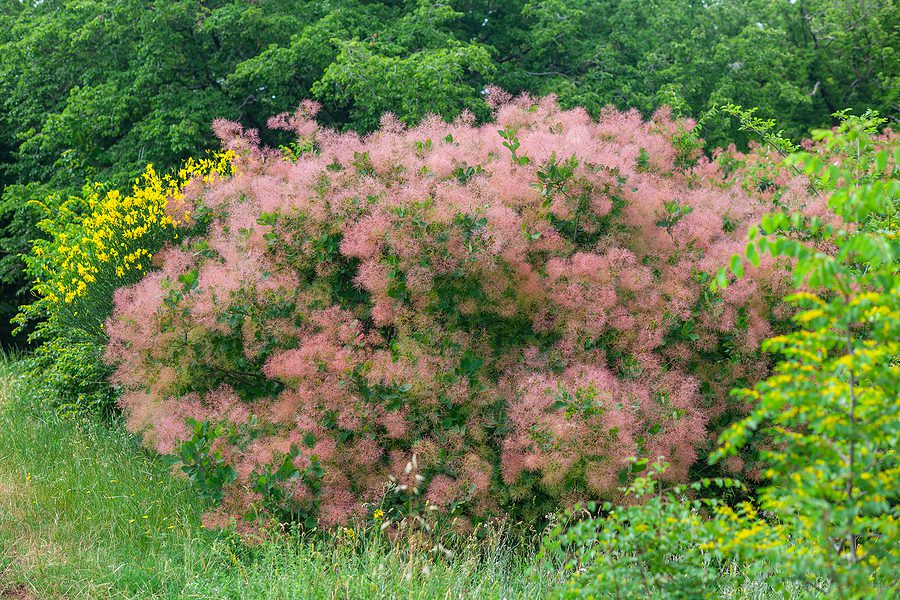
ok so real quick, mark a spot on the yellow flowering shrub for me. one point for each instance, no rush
(96, 242)
(832, 407)
(672, 543)
(104, 239)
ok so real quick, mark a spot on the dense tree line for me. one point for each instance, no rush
(94, 89)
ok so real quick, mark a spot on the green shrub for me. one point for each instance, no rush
(831, 409)
(664, 544)
(69, 377)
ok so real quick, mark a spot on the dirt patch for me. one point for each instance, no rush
(19, 592)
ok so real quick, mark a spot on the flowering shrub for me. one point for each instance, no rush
(832, 406)
(95, 243)
(104, 239)
(520, 311)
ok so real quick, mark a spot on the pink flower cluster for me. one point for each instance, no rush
(523, 323)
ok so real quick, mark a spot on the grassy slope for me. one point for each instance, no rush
(86, 513)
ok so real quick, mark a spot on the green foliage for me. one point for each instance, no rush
(511, 143)
(686, 139)
(71, 378)
(763, 129)
(270, 484)
(555, 176)
(801, 61)
(665, 545)
(381, 75)
(19, 218)
(831, 410)
(673, 211)
(204, 464)
(465, 172)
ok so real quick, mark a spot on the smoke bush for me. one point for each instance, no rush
(520, 311)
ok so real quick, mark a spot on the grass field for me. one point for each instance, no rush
(85, 512)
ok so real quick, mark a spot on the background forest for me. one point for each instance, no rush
(94, 90)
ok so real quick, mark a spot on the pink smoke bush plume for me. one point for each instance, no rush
(523, 323)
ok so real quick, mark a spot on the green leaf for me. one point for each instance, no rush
(752, 254)
(736, 266)
(721, 278)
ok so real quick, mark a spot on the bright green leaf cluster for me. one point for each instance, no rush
(832, 409)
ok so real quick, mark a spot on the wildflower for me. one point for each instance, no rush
(116, 234)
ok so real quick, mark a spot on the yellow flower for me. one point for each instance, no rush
(112, 235)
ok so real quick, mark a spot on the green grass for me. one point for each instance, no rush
(85, 512)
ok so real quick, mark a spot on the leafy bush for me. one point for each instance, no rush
(520, 312)
(664, 544)
(831, 409)
(69, 377)
(18, 228)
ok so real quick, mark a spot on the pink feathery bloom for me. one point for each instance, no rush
(395, 424)
(362, 239)
(441, 491)
(169, 431)
(417, 292)
(367, 452)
